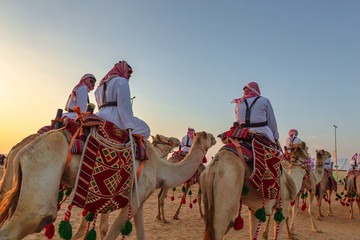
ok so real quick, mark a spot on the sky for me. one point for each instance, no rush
(190, 60)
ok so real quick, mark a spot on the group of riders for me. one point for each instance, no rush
(252, 111)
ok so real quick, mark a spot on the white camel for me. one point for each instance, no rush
(164, 191)
(11, 167)
(164, 146)
(222, 184)
(43, 161)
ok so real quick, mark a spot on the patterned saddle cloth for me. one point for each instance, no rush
(106, 130)
(262, 157)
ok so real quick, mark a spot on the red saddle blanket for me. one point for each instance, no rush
(105, 175)
(267, 170)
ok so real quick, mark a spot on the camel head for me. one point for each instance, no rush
(204, 140)
(298, 153)
(169, 141)
(321, 156)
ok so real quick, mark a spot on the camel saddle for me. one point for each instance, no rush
(261, 156)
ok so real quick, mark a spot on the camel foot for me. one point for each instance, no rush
(176, 217)
(319, 218)
(265, 235)
(317, 231)
(165, 221)
(330, 214)
(293, 237)
(158, 217)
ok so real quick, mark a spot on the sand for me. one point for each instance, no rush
(191, 225)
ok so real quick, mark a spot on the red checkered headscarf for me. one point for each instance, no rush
(121, 69)
(250, 90)
(191, 132)
(293, 133)
(86, 80)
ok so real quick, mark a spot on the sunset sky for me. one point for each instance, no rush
(190, 59)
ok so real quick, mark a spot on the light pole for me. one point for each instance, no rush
(336, 163)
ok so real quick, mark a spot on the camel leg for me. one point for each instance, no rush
(330, 212)
(319, 199)
(199, 202)
(158, 217)
(114, 232)
(81, 231)
(104, 224)
(139, 223)
(253, 221)
(294, 211)
(176, 215)
(351, 211)
(265, 234)
(161, 205)
(312, 220)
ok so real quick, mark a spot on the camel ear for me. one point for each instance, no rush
(303, 145)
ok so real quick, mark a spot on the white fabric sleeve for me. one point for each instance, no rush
(82, 98)
(124, 105)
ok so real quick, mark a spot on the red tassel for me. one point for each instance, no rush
(239, 223)
(172, 198)
(195, 200)
(49, 231)
(183, 201)
(190, 205)
(303, 207)
(292, 203)
(204, 160)
(84, 212)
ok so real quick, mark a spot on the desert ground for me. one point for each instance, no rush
(191, 225)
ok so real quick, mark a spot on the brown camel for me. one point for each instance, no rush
(324, 190)
(352, 191)
(222, 184)
(43, 160)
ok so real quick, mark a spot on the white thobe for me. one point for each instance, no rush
(82, 98)
(261, 111)
(118, 90)
(186, 144)
(290, 140)
(327, 164)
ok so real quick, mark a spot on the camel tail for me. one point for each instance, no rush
(206, 181)
(10, 200)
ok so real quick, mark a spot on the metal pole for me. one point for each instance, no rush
(336, 163)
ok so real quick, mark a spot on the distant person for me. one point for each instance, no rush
(354, 162)
(114, 100)
(292, 138)
(255, 112)
(2, 159)
(187, 140)
(80, 96)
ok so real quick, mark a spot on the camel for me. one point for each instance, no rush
(314, 178)
(324, 189)
(298, 169)
(163, 194)
(164, 146)
(352, 191)
(222, 183)
(22, 212)
(11, 167)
